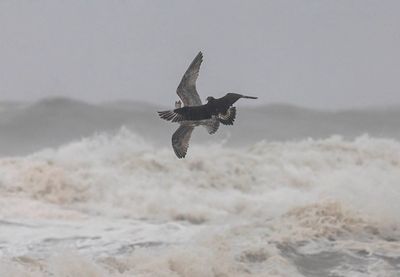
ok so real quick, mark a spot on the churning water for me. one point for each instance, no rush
(115, 205)
(120, 204)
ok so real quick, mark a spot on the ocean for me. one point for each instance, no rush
(96, 190)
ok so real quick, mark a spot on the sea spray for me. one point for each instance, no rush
(115, 205)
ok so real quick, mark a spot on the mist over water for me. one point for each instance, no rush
(52, 122)
(284, 192)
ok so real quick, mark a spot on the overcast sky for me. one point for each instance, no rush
(322, 54)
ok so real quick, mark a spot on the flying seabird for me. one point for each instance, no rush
(194, 113)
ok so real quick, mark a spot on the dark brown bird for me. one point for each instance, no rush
(193, 113)
(220, 108)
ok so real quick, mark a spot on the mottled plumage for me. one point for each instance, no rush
(194, 113)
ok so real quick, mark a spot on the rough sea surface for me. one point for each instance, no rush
(116, 204)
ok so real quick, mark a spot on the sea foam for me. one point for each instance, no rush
(115, 205)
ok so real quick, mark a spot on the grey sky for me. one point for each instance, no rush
(324, 54)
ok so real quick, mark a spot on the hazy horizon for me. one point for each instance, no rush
(248, 105)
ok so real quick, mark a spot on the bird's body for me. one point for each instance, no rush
(194, 113)
(214, 108)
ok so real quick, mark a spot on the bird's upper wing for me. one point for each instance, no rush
(187, 87)
(230, 98)
(180, 140)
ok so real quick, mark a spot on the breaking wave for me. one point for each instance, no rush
(121, 207)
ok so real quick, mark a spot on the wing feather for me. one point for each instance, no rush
(212, 125)
(180, 140)
(171, 116)
(229, 117)
(187, 87)
(186, 114)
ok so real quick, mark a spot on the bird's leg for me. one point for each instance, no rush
(178, 104)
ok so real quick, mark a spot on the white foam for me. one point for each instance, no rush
(225, 202)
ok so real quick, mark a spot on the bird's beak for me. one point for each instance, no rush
(249, 97)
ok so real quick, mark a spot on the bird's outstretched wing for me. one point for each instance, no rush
(230, 98)
(187, 87)
(180, 140)
(186, 114)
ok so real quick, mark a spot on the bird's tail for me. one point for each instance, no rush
(249, 97)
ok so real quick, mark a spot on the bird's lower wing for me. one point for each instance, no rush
(180, 140)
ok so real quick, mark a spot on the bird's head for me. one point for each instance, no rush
(209, 98)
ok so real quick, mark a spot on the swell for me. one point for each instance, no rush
(26, 128)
